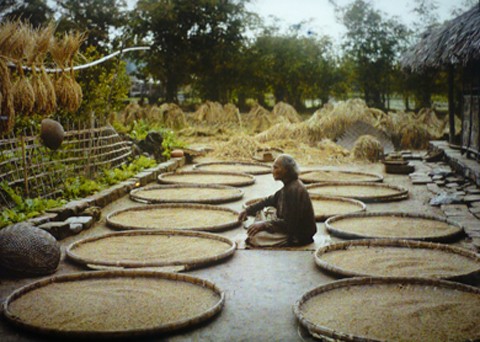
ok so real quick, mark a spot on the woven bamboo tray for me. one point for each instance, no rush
(174, 216)
(326, 175)
(365, 192)
(235, 166)
(397, 258)
(149, 248)
(388, 309)
(183, 193)
(109, 304)
(326, 206)
(394, 225)
(206, 177)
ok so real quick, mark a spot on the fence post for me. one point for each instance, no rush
(24, 161)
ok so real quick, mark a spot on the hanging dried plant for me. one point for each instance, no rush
(40, 92)
(23, 95)
(7, 31)
(50, 96)
(8, 110)
(66, 92)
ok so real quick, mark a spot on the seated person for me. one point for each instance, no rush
(295, 223)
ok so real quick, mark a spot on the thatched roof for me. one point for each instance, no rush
(456, 42)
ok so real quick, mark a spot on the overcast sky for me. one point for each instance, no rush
(322, 14)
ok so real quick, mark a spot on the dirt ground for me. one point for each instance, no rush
(261, 286)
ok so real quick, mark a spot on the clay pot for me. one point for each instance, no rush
(177, 154)
(52, 134)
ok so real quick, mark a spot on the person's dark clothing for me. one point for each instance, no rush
(295, 216)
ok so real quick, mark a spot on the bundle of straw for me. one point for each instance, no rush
(63, 51)
(367, 147)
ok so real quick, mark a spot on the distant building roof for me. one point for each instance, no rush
(456, 42)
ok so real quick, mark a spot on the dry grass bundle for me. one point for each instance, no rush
(239, 147)
(232, 114)
(6, 104)
(40, 93)
(131, 112)
(209, 112)
(329, 148)
(68, 93)
(50, 103)
(259, 119)
(367, 147)
(43, 37)
(414, 135)
(153, 114)
(281, 131)
(173, 116)
(7, 32)
(282, 109)
(23, 95)
(64, 49)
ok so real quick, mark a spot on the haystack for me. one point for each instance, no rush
(282, 131)
(232, 114)
(414, 135)
(213, 113)
(132, 112)
(367, 147)
(173, 116)
(239, 147)
(282, 109)
(259, 119)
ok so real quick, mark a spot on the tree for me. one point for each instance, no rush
(373, 44)
(193, 42)
(99, 18)
(37, 12)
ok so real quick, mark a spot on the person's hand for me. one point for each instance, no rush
(256, 228)
(242, 216)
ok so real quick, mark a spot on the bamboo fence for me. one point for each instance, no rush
(35, 171)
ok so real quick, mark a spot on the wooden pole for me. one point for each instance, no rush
(24, 160)
(451, 104)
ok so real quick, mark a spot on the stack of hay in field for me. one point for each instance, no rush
(26, 89)
(239, 147)
(172, 116)
(367, 147)
(286, 111)
(213, 113)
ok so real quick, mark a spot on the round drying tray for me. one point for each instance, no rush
(150, 248)
(183, 193)
(397, 258)
(110, 304)
(394, 225)
(316, 176)
(174, 216)
(391, 309)
(326, 206)
(206, 177)
(365, 192)
(235, 166)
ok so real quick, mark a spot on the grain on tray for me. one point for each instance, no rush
(388, 226)
(205, 178)
(400, 262)
(150, 248)
(337, 176)
(354, 191)
(325, 207)
(192, 194)
(112, 304)
(174, 218)
(398, 312)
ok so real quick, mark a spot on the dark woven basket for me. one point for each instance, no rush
(330, 225)
(131, 275)
(400, 193)
(261, 169)
(218, 227)
(405, 244)
(28, 250)
(187, 264)
(306, 177)
(248, 179)
(324, 332)
(235, 194)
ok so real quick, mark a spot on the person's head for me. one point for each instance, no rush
(285, 168)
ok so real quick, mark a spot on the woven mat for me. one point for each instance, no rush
(319, 240)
